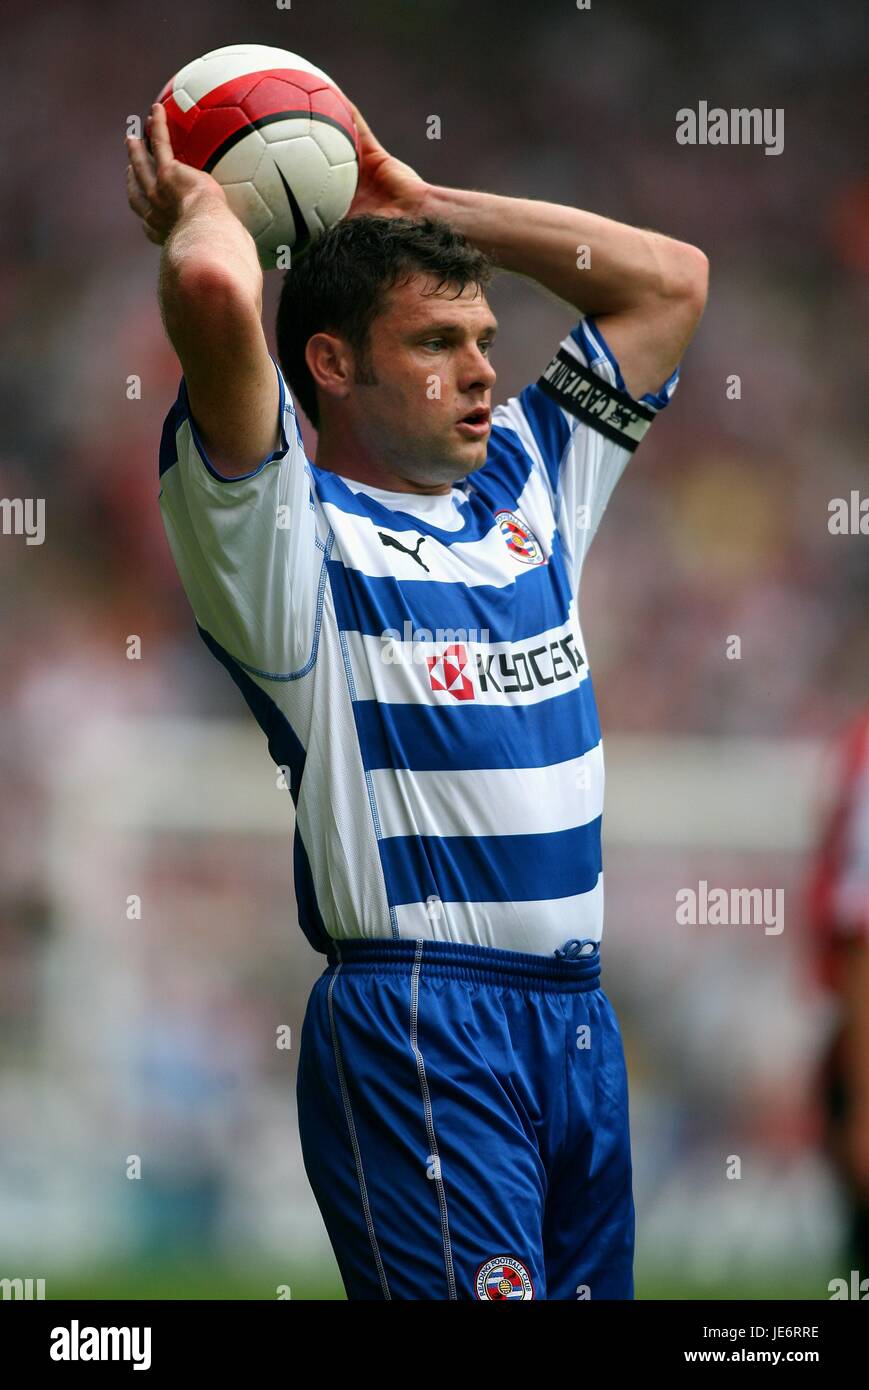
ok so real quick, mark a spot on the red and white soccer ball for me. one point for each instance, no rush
(278, 136)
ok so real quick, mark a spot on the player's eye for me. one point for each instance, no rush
(436, 342)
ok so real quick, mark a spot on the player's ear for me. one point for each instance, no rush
(330, 363)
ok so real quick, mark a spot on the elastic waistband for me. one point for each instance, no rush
(574, 969)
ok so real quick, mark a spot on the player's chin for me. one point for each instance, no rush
(472, 455)
(451, 459)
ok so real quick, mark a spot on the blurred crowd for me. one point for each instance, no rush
(719, 527)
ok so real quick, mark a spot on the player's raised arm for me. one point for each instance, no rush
(647, 291)
(211, 299)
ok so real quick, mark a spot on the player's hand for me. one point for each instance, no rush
(159, 186)
(386, 187)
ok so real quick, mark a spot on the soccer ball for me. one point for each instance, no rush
(276, 134)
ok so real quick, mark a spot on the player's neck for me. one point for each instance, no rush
(350, 459)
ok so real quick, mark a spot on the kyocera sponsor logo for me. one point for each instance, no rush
(454, 667)
(514, 671)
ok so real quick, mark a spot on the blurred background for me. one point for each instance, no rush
(154, 1030)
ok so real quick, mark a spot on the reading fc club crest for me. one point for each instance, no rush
(520, 541)
(503, 1278)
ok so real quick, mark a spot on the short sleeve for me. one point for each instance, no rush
(245, 548)
(580, 426)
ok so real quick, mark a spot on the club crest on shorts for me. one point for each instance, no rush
(503, 1278)
(521, 542)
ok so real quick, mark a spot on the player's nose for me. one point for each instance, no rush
(478, 371)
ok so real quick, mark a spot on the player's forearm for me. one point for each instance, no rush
(624, 266)
(207, 257)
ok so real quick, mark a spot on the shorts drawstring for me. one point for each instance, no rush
(573, 949)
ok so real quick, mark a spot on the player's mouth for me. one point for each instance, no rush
(477, 423)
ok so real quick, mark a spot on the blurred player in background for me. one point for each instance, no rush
(401, 618)
(839, 906)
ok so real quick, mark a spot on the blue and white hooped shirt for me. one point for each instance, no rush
(417, 662)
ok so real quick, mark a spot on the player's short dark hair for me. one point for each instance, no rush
(340, 282)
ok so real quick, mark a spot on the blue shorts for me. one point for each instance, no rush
(463, 1114)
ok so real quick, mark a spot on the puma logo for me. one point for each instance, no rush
(414, 554)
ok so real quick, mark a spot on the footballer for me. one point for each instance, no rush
(400, 614)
